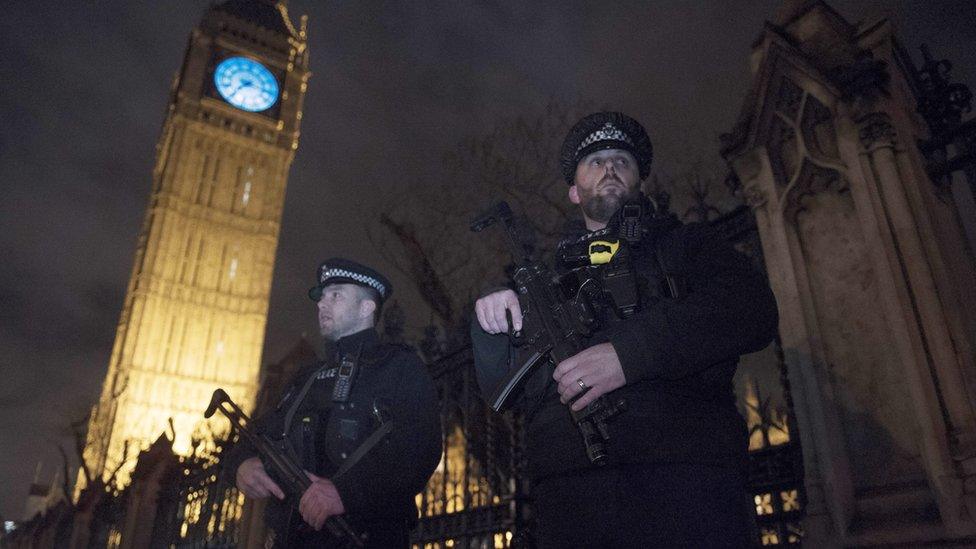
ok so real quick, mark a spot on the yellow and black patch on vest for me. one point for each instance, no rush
(602, 251)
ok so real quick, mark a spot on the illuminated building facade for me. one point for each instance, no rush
(195, 309)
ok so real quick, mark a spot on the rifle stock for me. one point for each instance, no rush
(510, 386)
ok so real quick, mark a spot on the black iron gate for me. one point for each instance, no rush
(475, 497)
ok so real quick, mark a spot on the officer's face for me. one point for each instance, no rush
(340, 311)
(604, 181)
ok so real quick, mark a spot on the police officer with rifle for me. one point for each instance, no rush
(620, 357)
(363, 426)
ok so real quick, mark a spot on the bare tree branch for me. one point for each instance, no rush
(65, 483)
(112, 479)
(698, 189)
(78, 434)
(424, 230)
(426, 278)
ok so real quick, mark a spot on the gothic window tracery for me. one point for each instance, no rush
(783, 150)
(818, 130)
(788, 99)
(802, 143)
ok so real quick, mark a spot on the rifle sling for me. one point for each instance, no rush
(364, 448)
(298, 400)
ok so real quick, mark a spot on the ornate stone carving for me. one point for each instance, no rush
(742, 180)
(798, 112)
(754, 196)
(783, 154)
(875, 128)
(865, 80)
(789, 97)
(817, 126)
(813, 180)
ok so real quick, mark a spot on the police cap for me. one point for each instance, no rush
(605, 130)
(343, 271)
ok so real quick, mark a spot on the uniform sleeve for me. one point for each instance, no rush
(728, 310)
(396, 470)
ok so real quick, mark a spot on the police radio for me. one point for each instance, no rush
(345, 376)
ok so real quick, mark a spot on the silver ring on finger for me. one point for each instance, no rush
(581, 384)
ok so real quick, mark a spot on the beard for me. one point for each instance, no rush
(330, 328)
(601, 206)
(327, 332)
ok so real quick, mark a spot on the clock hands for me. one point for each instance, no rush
(246, 84)
(242, 84)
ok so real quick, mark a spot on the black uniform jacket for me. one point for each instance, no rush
(678, 356)
(323, 433)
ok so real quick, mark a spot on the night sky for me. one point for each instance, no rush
(394, 86)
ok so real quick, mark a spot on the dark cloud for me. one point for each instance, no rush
(394, 86)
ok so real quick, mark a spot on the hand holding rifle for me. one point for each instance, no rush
(273, 461)
(552, 325)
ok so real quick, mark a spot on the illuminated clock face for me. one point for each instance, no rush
(246, 84)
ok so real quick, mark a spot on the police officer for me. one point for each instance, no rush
(331, 409)
(675, 471)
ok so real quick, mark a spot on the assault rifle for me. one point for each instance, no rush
(283, 469)
(557, 317)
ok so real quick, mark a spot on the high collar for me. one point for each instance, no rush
(654, 220)
(368, 338)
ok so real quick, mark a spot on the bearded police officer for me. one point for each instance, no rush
(331, 410)
(675, 467)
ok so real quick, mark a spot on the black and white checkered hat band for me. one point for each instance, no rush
(608, 132)
(358, 277)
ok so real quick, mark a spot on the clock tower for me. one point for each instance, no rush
(195, 310)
